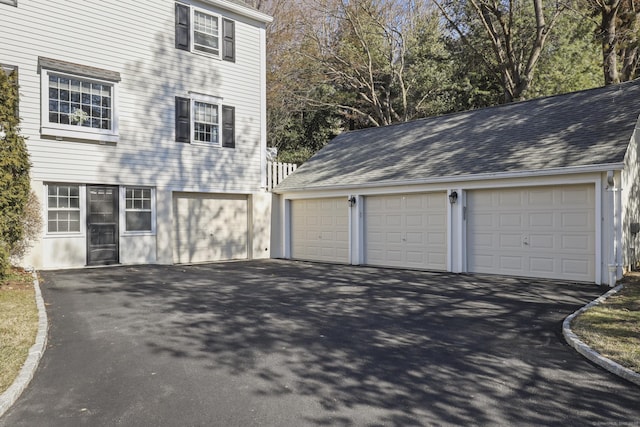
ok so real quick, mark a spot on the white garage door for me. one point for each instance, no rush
(210, 227)
(407, 230)
(320, 230)
(546, 232)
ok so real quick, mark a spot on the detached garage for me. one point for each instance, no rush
(547, 188)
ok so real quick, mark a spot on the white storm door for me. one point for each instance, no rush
(545, 232)
(320, 229)
(406, 230)
(210, 227)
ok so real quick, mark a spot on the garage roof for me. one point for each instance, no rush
(586, 128)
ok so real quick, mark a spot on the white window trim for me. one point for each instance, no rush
(192, 31)
(123, 212)
(83, 212)
(209, 99)
(72, 131)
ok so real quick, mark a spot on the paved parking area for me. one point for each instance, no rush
(279, 343)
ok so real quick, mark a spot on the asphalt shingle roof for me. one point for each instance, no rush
(591, 127)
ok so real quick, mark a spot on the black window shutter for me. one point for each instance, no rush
(182, 26)
(183, 119)
(228, 40)
(228, 126)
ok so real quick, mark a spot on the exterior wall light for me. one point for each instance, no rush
(453, 197)
(352, 201)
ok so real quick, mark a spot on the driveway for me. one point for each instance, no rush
(279, 343)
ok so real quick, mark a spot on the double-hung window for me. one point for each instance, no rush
(202, 31)
(63, 208)
(202, 119)
(138, 212)
(78, 102)
(206, 32)
(206, 123)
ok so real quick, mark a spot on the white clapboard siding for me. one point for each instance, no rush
(136, 39)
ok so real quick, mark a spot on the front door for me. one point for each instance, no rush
(102, 225)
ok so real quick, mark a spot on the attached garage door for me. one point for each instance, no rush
(546, 232)
(408, 230)
(210, 227)
(320, 230)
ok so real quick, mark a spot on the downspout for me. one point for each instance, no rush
(615, 254)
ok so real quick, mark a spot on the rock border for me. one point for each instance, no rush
(9, 397)
(595, 357)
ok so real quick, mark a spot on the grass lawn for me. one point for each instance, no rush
(18, 324)
(613, 328)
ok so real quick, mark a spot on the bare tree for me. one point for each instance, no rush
(619, 24)
(516, 33)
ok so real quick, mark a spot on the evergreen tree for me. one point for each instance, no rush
(14, 169)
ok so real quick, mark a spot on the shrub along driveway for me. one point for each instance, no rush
(278, 343)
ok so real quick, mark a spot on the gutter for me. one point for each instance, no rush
(572, 170)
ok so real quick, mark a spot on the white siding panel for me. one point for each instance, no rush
(546, 232)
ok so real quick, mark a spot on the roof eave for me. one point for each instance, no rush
(571, 170)
(242, 10)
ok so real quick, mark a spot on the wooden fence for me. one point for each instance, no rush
(277, 172)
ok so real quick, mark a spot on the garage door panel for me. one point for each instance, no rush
(437, 240)
(554, 238)
(540, 198)
(415, 221)
(576, 220)
(415, 238)
(576, 197)
(511, 263)
(542, 241)
(509, 198)
(576, 243)
(541, 219)
(413, 227)
(509, 241)
(575, 266)
(542, 265)
(510, 220)
(319, 230)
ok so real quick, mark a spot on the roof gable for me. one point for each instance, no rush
(591, 127)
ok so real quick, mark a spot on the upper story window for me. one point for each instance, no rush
(201, 31)
(78, 102)
(206, 33)
(206, 123)
(203, 119)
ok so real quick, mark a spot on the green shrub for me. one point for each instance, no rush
(14, 169)
(31, 227)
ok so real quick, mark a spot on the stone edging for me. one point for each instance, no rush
(25, 375)
(582, 348)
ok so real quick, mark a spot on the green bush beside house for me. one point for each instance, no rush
(14, 170)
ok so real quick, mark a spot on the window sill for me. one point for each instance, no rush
(138, 233)
(65, 234)
(79, 135)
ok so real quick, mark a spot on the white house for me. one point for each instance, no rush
(146, 128)
(546, 188)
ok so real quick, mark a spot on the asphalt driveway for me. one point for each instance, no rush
(278, 343)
